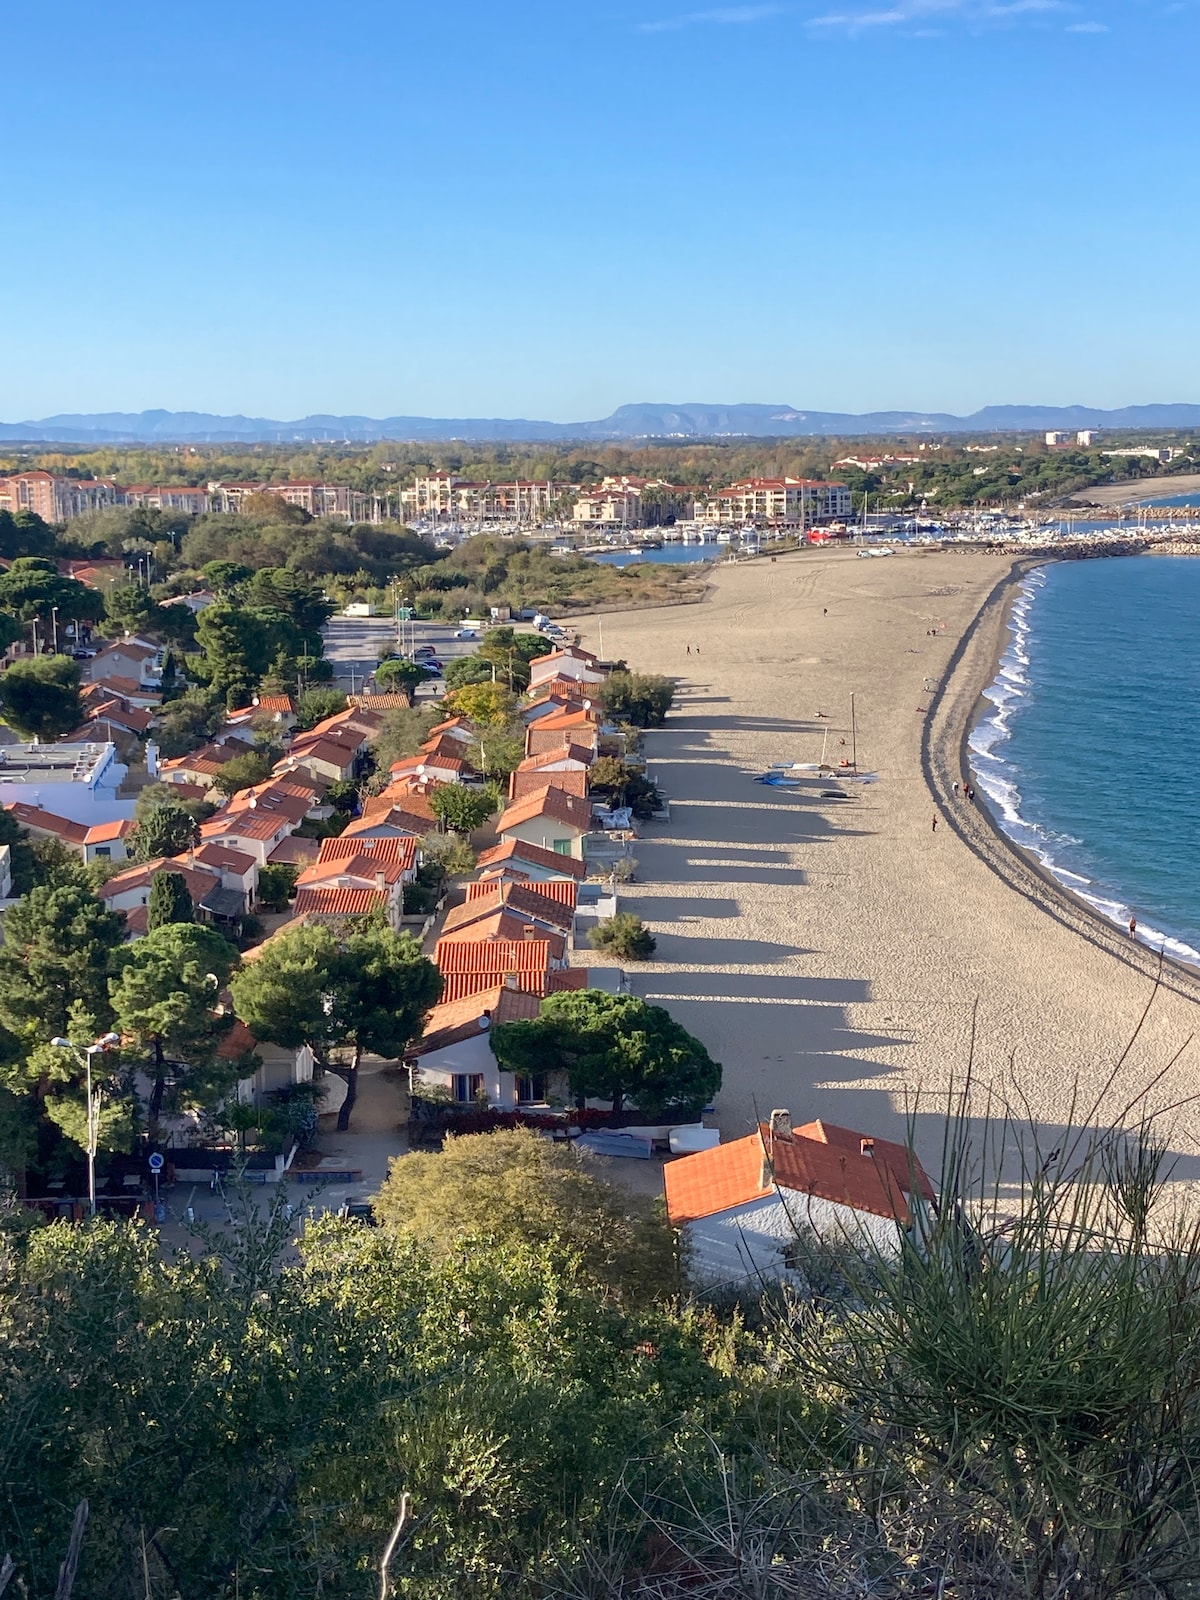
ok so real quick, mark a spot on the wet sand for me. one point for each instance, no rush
(838, 956)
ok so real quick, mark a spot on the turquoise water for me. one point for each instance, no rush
(1088, 757)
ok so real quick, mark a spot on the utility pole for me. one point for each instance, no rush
(853, 736)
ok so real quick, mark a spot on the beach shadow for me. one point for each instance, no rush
(679, 908)
(783, 988)
(699, 950)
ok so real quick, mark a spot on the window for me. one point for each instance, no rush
(562, 847)
(103, 852)
(531, 1090)
(468, 1086)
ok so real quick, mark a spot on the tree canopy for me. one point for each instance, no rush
(613, 1047)
(368, 993)
(510, 1187)
(39, 696)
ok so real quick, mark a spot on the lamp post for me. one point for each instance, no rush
(83, 1054)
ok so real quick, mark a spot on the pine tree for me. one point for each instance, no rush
(170, 900)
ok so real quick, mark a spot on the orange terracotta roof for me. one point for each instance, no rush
(455, 1020)
(752, 1168)
(239, 1041)
(458, 985)
(200, 881)
(401, 850)
(337, 902)
(564, 752)
(361, 868)
(496, 956)
(712, 1181)
(524, 899)
(340, 756)
(560, 979)
(566, 809)
(504, 926)
(103, 832)
(519, 850)
(244, 825)
(43, 821)
(521, 784)
(220, 855)
(281, 703)
(395, 700)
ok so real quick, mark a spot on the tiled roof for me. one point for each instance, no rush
(455, 1020)
(525, 900)
(567, 809)
(560, 979)
(733, 1174)
(237, 1042)
(496, 956)
(456, 728)
(244, 825)
(220, 855)
(569, 652)
(103, 832)
(506, 927)
(897, 1156)
(348, 870)
(716, 1180)
(131, 688)
(340, 756)
(43, 821)
(402, 850)
(458, 985)
(566, 751)
(393, 701)
(525, 783)
(318, 902)
(200, 881)
(282, 704)
(520, 850)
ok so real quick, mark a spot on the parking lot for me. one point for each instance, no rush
(353, 644)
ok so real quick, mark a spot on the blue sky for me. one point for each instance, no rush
(548, 207)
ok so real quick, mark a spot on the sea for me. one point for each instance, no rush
(670, 553)
(1088, 753)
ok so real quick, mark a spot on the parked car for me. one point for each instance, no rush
(424, 652)
(85, 655)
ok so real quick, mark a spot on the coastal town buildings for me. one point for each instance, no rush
(443, 496)
(799, 501)
(741, 1207)
(55, 497)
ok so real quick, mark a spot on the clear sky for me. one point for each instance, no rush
(545, 208)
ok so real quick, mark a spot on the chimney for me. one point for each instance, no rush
(253, 802)
(529, 931)
(381, 881)
(510, 980)
(866, 1147)
(781, 1124)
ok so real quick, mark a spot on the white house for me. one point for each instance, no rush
(740, 1206)
(455, 1050)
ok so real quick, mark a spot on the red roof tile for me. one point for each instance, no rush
(566, 809)
(496, 956)
(318, 902)
(519, 850)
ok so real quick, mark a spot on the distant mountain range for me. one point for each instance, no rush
(644, 421)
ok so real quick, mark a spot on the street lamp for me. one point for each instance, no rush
(83, 1054)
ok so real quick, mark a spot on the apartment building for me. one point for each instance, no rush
(166, 497)
(803, 501)
(624, 502)
(444, 496)
(53, 498)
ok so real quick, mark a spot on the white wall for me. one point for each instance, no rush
(750, 1240)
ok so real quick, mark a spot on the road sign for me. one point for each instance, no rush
(156, 1162)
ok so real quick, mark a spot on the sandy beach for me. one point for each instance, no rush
(833, 954)
(1128, 494)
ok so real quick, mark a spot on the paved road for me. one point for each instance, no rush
(353, 644)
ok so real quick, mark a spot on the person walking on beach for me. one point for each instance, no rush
(934, 822)
(956, 788)
(1133, 927)
(689, 649)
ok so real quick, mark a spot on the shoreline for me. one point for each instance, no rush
(958, 707)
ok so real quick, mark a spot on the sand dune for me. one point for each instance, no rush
(834, 954)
